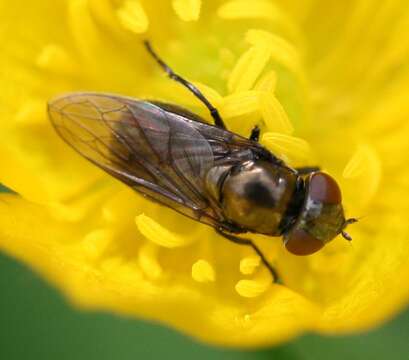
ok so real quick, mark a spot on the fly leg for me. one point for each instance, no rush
(196, 92)
(305, 170)
(247, 242)
(255, 133)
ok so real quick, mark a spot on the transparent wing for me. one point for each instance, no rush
(158, 153)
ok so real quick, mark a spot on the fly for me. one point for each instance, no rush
(173, 157)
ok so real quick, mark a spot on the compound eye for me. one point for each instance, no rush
(323, 188)
(299, 242)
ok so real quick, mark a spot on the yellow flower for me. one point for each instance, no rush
(328, 83)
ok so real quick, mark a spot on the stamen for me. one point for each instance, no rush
(203, 271)
(242, 9)
(66, 213)
(31, 112)
(274, 115)
(96, 242)
(249, 264)
(248, 68)
(83, 28)
(252, 288)
(281, 50)
(187, 10)
(238, 104)
(147, 260)
(211, 94)
(267, 83)
(364, 171)
(158, 234)
(289, 148)
(132, 17)
(55, 58)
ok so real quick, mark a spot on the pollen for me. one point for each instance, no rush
(187, 10)
(203, 271)
(159, 234)
(132, 16)
(252, 288)
(249, 264)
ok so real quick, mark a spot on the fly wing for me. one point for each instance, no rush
(157, 152)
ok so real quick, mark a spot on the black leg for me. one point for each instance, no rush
(247, 242)
(255, 133)
(196, 92)
(307, 170)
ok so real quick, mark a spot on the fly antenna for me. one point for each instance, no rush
(347, 222)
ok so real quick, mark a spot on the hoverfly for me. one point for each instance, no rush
(175, 158)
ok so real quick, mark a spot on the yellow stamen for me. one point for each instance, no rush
(267, 82)
(66, 213)
(30, 113)
(358, 163)
(241, 9)
(158, 234)
(132, 16)
(248, 68)
(187, 10)
(211, 94)
(289, 148)
(252, 288)
(147, 260)
(281, 50)
(55, 58)
(241, 103)
(203, 271)
(83, 28)
(274, 115)
(249, 264)
(96, 242)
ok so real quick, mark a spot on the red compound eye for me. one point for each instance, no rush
(323, 188)
(299, 242)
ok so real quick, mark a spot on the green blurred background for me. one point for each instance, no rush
(37, 323)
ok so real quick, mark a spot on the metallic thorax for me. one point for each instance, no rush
(254, 195)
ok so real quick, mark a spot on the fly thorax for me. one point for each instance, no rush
(254, 194)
